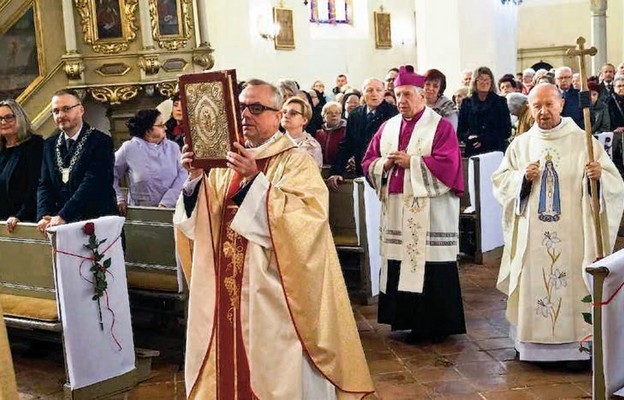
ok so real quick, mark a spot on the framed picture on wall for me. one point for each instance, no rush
(108, 25)
(383, 31)
(172, 22)
(285, 39)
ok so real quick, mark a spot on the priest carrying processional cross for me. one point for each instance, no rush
(562, 205)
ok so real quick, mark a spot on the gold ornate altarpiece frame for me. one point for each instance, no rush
(108, 25)
(38, 39)
(171, 31)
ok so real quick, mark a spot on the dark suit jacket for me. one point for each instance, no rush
(572, 107)
(359, 135)
(89, 192)
(605, 92)
(23, 171)
(489, 120)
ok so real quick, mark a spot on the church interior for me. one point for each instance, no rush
(122, 56)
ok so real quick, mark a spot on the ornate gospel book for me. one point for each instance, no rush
(211, 112)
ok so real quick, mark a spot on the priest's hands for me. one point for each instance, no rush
(186, 158)
(532, 171)
(243, 163)
(334, 181)
(400, 158)
(593, 170)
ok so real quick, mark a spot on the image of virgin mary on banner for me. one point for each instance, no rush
(549, 209)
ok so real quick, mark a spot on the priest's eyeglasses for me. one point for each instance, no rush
(64, 110)
(255, 108)
(7, 118)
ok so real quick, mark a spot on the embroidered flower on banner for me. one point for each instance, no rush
(558, 279)
(544, 308)
(550, 240)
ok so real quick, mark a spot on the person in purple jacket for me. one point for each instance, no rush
(414, 164)
(150, 164)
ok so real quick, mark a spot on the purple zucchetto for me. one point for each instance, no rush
(407, 76)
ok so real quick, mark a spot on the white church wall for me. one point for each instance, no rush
(545, 26)
(322, 51)
(457, 35)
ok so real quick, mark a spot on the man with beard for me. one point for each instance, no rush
(77, 169)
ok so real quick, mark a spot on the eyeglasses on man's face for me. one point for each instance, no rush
(7, 118)
(65, 109)
(255, 108)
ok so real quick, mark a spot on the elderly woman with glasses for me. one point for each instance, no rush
(150, 164)
(435, 85)
(484, 121)
(20, 165)
(332, 131)
(296, 114)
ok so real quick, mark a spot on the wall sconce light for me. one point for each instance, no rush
(267, 29)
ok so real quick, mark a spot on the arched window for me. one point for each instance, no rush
(330, 11)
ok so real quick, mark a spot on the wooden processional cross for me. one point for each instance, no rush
(585, 102)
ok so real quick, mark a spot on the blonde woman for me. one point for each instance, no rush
(296, 114)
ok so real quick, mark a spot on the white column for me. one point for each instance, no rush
(201, 10)
(599, 33)
(146, 25)
(476, 33)
(69, 27)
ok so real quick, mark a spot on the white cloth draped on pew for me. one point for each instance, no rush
(491, 211)
(373, 213)
(612, 321)
(93, 354)
(606, 139)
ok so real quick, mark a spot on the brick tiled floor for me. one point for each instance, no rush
(478, 365)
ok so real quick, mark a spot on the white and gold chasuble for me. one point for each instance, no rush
(549, 237)
(421, 223)
(299, 336)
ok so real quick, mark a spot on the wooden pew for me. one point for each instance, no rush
(470, 222)
(150, 253)
(28, 298)
(27, 287)
(350, 237)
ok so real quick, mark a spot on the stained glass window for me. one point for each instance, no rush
(330, 11)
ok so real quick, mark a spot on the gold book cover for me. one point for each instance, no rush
(211, 113)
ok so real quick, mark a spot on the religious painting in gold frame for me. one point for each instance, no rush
(285, 39)
(172, 22)
(383, 30)
(108, 25)
(21, 40)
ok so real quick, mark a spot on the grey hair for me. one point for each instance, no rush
(528, 72)
(329, 105)
(515, 102)
(22, 121)
(277, 96)
(559, 70)
(287, 85)
(618, 78)
(368, 81)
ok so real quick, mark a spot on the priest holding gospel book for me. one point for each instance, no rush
(543, 184)
(269, 315)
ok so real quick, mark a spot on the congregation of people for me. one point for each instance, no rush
(406, 137)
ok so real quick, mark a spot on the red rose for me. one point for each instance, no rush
(89, 228)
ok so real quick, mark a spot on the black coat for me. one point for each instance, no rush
(616, 111)
(359, 134)
(572, 107)
(89, 192)
(489, 120)
(21, 177)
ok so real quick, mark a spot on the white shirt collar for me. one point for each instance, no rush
(75, 137)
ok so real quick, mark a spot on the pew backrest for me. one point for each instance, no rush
(150, 249)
